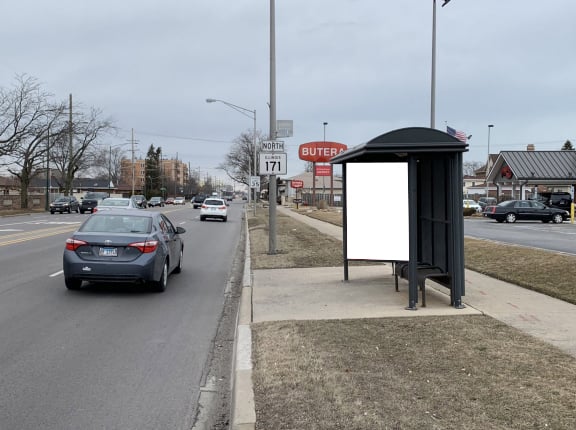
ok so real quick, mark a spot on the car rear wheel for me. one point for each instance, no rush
(73, 283)
(557, 218)
(225, 219)
(160, 286)
(510, 217)
(202, 218)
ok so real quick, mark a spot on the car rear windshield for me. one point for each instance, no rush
(212, 202)
(117, 224)
(113, 202)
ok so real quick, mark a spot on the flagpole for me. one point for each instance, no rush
(433, 79)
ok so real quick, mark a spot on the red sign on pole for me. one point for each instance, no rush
(296, 183)
(324, 170)
(320, 152)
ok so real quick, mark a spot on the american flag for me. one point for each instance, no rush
(460, 135)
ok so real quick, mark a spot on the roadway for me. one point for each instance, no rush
(536, 234)
(112, 357)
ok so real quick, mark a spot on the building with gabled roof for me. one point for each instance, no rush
(528, 172)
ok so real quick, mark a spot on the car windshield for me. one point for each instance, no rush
(117, 224)
(507, 203)
(62, 199)
(212, 202)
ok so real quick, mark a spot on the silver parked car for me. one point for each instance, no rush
(124, 246)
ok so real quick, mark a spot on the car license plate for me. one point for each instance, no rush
(213, 209)
(108, 252)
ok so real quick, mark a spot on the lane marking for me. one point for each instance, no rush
(60, 272)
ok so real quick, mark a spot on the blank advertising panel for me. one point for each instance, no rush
(377, 211)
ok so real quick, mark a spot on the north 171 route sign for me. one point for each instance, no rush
(273, 163)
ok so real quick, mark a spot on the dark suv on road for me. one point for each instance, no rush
(90, 201)
(198, 200)
(65, 204)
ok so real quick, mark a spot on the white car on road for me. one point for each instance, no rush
(214, 208)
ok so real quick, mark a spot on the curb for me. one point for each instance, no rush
(243, 416)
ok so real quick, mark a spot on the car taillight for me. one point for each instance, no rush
(493, 209)
(145, 247)
(73, 244)
(204, 206)
(222, 207)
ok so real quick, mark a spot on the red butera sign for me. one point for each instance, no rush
(320, 152)
(296, 183)
(323, 170)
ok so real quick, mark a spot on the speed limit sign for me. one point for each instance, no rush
(255, 182)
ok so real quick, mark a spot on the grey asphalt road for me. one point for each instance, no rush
(107, 357)
(554, 237)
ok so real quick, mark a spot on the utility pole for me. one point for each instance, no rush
(70, 148)
(272, 180)
(133, 161)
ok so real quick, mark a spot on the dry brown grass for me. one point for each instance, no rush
(468, 372)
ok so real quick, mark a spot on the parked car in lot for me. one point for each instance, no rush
(65, 204)
(528, 210)
(170, 201)
(472, 204)
(179, 201)
(487, 201)
(214, 208)
(112, 203)
(197, 200)
(156, 202)
(558, 199)
(140, 200)
(124, 246)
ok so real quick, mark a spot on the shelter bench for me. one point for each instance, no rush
(425, 271)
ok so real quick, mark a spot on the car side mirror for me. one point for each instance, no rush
(180, 230)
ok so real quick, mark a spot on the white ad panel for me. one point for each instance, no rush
(377, 211)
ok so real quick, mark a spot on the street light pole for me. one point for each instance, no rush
(433, 79)
(252, 115)
(488, 159)
(48, 178)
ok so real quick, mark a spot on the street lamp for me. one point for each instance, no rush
(433, 80)
(488, 160)
(250, 114)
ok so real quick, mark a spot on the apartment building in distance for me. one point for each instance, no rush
(173, 171)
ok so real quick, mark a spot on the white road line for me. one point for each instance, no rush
(56, 274)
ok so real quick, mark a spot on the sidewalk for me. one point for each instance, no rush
(321, 293)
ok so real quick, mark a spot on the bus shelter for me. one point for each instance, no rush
(402, 203)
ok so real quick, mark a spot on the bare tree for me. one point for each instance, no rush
(73, 152)
(31, 121)
(469, 167)
(22, 109)
(239, 162)
(107, 162)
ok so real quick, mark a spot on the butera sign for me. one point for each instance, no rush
(296, 183)
(320, 152)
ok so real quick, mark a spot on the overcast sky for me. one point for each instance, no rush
(362, 66)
